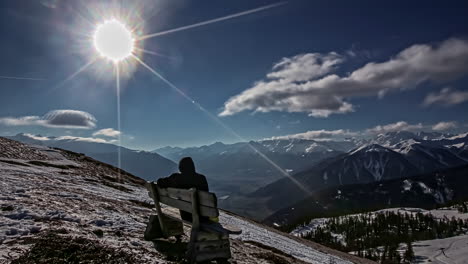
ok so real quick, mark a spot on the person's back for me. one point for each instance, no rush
(186, 179)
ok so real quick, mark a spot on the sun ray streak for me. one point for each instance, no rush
(81, 69)
(21, 78)
(153, 53)
(119, 153)
(211, 21)
(222, 124)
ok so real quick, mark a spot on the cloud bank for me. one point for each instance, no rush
(446, 97)
(304, 83)
(380, 129)
(394, 127)
(444, 126)
(318, 134)
(72, 119)
(85, 139)
(107, 132)
(69, 138)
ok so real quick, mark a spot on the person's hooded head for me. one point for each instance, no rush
(186, 166)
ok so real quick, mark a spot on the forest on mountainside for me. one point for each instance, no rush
(378, 236)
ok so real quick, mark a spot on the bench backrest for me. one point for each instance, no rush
(182, 199)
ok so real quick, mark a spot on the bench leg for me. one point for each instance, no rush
(206, 246)
(191, 249)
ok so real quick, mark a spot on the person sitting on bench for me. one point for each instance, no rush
(186, 179)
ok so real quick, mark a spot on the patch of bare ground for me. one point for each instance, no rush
(53, 248)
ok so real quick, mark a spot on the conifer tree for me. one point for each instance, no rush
(409, 253)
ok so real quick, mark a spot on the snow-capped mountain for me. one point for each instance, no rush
(281, 146)
(424, 191)
(427, 156)
(59, 205)
(391, 139)
(145, 164)
(303, 146)
(246, 166)
(399, 154)
(365, 164)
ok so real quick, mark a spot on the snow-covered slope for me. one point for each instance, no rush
(428, 157)
(440, 251)
(46, 192)
(442, 213)
(146, 165)
(452, 250)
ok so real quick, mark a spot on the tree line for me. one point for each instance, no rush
(378, 236)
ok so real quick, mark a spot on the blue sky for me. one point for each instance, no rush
(227, 67)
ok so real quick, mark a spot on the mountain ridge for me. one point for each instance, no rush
(147, 165)
(75, 200)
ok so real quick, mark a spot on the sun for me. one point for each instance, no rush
(113, 40)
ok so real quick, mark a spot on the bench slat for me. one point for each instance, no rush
(212, 227)
(205, 198)
(187, 206)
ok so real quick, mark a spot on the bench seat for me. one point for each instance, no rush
(208, 240)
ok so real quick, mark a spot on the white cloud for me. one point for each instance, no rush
(443, 126)
(50, 3)
(107, 132)
(446, 97)
(318, 134)
(36, 137)
(71, 138)
(380, 129)
(304, 67)
(394, 127)
(85, 139)
(287, 88)
(57, 118)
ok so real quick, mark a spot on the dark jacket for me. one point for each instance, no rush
(186, 179)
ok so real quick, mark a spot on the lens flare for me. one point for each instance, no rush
(113, 40)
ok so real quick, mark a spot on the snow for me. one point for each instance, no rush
(430, 251)
(406, 185)
(35, 199)
(311, 226)
(440, 213)
(253, 232)
(463, 135)
(41, 198)
(424, 188)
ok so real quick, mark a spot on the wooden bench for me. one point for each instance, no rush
(208, 240)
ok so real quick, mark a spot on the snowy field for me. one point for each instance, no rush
(70, 193)
(252, 232)
(455, 250)
(440, 213)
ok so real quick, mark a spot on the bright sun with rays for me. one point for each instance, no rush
(113, 40)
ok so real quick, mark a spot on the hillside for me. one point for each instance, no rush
(400, 155)
(423, 191)
(146, 165)
(58, 205)
(418, 235)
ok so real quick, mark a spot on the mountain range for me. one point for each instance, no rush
(59, 206)
(254, 178)
(241, 168)
(428, 191)
(402, 154)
